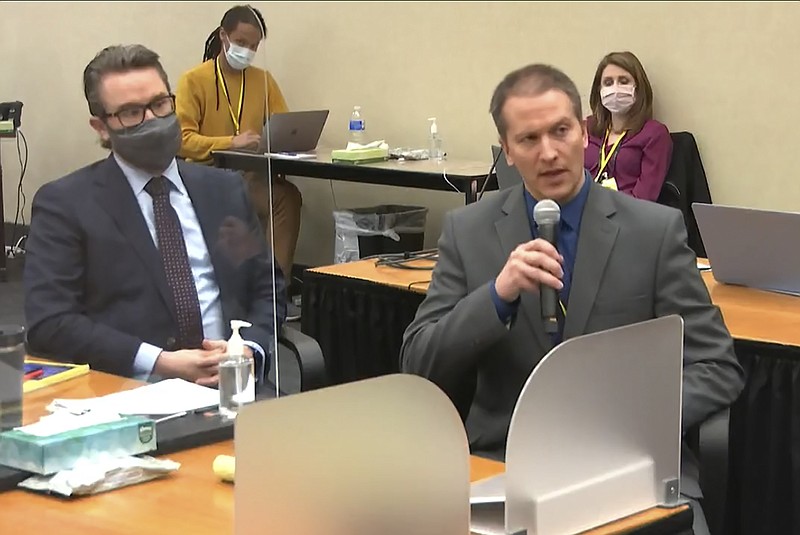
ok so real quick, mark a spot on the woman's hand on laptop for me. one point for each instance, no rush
(246, 140)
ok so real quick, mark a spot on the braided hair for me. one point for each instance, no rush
(230, 21)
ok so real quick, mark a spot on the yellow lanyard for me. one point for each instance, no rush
(235, 117)
(605, 159)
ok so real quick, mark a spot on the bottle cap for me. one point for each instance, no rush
(236, 344)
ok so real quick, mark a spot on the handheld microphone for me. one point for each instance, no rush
(547, 215)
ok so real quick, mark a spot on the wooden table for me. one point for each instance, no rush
(414, 280)
(467, 176)
(192, 500)
(750, 314)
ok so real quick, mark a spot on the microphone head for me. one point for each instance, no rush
(547, 212)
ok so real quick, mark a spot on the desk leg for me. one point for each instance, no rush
(471, 195)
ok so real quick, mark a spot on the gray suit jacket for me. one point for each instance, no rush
(632, 265)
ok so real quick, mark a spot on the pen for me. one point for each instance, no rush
(172, 416)
(202, 410)
(34, 374)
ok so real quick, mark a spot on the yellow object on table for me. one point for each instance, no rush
(224, 467)
(51, 373)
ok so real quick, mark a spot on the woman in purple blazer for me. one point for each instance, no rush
(628, 150)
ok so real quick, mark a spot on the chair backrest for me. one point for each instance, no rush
(670, 195)
(687, 177)
(301, 365)
(507, 175)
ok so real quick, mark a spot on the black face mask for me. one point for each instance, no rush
(150, 146)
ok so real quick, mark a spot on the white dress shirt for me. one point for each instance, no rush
(199, 258)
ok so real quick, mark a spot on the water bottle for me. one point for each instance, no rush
(357, 126)
(12, 359)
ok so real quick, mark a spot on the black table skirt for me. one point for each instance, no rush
(764, 467)
(359, 326)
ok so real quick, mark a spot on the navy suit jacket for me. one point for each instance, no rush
(95, 286)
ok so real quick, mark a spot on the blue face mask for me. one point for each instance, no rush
(239, 57)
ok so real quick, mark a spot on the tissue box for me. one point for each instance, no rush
(368, 155)
(50, 454)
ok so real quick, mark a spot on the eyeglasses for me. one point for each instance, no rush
(133, 114)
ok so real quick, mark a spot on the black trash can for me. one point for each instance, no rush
(376, 230)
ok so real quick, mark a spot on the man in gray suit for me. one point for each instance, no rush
(620, 260)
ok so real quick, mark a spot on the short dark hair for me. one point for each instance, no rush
(116, 59)
(532, 80)
(230, 20)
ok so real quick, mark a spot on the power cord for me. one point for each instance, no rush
(20, 215)
(333, 196)
(444, 175)
(403, 260)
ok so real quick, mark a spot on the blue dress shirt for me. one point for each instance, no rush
(199, 258)
(571, 214)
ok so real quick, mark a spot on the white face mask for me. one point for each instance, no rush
(239, 57)
(618, 98)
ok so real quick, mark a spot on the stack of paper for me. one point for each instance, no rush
(165, 397)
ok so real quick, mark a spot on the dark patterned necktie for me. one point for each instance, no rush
(176, 265)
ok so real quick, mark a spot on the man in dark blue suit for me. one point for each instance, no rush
(137, 263)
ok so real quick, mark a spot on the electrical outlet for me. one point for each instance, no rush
(13, 252)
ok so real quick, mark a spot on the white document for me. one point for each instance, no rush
(169, 396)
(703, 265)
(489, 490)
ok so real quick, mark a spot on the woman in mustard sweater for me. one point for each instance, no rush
(223, 103)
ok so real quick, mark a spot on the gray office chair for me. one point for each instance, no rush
(670, 195)
(507, 175)
(302, 366)
(709, 441)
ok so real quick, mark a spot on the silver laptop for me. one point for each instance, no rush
(749, 247)
(507, 175)
(294, 131)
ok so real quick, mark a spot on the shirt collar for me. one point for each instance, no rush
(572, 211)
(138, 179)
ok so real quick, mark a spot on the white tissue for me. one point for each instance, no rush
(62, 421)
(101, 476)
(380, 144)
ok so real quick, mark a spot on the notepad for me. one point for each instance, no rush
(53, 373)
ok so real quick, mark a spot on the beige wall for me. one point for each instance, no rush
(725, 71)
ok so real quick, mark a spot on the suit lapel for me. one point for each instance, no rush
(116, 197)
(513, 230)
(595, 241)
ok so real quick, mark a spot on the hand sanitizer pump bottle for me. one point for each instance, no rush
(237, 384)
(435, 152)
